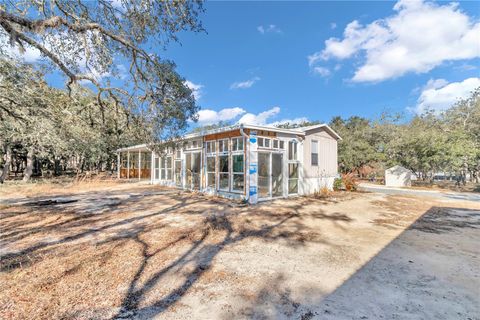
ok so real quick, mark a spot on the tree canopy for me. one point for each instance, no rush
(90, 41)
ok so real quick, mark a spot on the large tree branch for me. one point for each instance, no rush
(55, 22)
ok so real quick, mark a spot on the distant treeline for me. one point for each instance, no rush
(48, 131)
(427, 144)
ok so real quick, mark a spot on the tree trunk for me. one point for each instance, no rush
(6, 166)
(27, 173)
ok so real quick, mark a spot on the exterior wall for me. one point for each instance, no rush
(323, 174)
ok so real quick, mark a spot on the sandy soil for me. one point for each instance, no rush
(141, 251)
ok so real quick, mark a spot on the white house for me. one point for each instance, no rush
(243, 161)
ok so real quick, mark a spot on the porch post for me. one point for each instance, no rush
(152, 167)
(139, 164)
(128, 165)
(118, 165)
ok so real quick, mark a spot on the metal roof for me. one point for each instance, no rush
(298, 131)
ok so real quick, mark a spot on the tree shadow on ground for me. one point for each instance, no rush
(419, 274)
(49, 231)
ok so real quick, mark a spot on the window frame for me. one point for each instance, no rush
(237, 173)
(237, 140)
(312, 142)
(292, 156)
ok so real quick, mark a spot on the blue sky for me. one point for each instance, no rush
(254, 58)
(269, 62)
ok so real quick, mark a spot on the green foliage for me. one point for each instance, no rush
(426, 144)
(337, 184)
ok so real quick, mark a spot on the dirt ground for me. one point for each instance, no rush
(141, 252)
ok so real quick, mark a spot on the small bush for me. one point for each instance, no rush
(350, 182)
(337, 184)
(323, 193)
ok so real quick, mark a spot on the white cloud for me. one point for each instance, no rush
(417, 38)
(244, 84)
(196, 89)
(290, 121)
(333, 25)
(259, 119)
(322, 71)
(271, 28)
(439, 95)
(208, 116)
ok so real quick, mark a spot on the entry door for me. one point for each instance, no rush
(193, 165)
(263, 175)
(270, 175)
(277, 175)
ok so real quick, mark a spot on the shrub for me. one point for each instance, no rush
(323, 193)
(337, 184)
(349, 181)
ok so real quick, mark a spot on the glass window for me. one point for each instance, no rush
(223, 170)
(238, 182)
(314, 147)
(275, 144)
(238, 172)
(237, 163)
(292, 150)
(260, 142)
(162, 169)
(237, 144)
(169, 168)
(211, 172)
(211, 147)
(267, 143)
(223, 145)
(178, 154)
(223, 181)
(178, 173)
(157, 168)
(282, 144)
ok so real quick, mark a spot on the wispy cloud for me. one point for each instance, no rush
(322, 71)
(271, 28)
(333, 25)
(244, 84)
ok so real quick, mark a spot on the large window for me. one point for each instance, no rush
(237, 144)
(211, 171)
(211, 147)
(169, 167)
(314, 148)
(178, 172)
(292, 150)
(223, 145)
(162, 169)
(238, 180)
(157, 168)
(223, 172)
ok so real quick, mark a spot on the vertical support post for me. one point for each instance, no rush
(128, 165)
(253, 168)
(118, 165)
(139, 164)
(152, 167)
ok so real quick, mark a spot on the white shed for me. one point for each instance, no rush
(398, 176)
